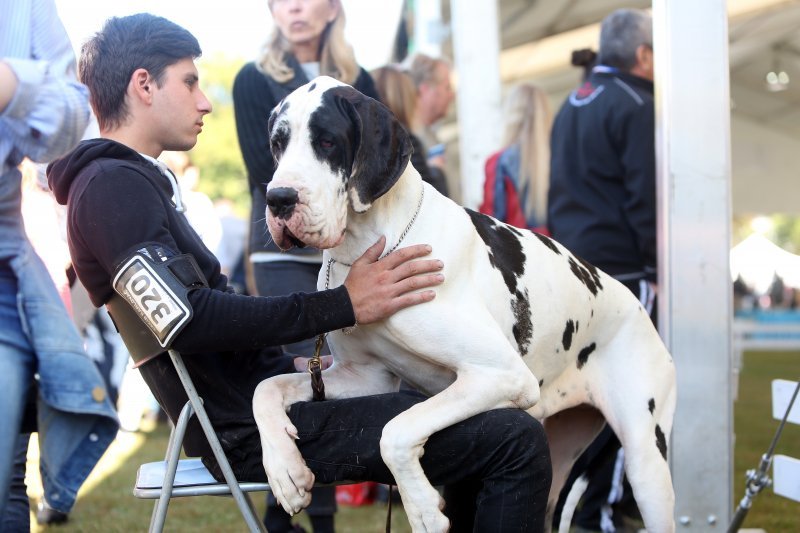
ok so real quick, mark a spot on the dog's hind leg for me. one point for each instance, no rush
(648, 473)
(645, 439)
(569, 433)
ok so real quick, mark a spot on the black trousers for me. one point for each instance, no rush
(495, 466)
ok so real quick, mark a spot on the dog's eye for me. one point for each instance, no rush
(325, 144)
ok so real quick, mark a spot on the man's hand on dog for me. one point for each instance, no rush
(379, 287)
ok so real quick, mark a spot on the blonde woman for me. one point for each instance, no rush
(517, 176)
(307, 41)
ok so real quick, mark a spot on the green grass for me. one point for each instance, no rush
(106, 503)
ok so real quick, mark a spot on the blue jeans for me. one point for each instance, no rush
(17, 518)
(17, 369)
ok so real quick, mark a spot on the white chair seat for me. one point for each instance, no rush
(192, 478)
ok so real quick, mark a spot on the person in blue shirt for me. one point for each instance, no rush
(44, 370)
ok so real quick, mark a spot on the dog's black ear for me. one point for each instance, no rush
(382, 148)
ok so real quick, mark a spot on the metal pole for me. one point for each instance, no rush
(693, 154)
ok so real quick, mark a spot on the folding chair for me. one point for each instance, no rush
(173, 478)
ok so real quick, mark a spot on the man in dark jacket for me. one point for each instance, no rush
(127, 233)
(601, 205)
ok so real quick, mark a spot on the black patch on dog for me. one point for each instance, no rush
(547, 242)
(566, 338)
(586, 274)
(505, 250)
(541, 382)
(312, 86)
(583, 355)
(508, 258)
(279, 138)
(523, 328)
(661, 442)
(651, 405)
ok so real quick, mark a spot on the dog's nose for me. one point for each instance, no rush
(281, 201)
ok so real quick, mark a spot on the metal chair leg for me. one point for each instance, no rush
(244, 503)
(159, 515)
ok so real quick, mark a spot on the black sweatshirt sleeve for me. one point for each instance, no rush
(225, 321)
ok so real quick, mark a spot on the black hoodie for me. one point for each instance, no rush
(119, 202)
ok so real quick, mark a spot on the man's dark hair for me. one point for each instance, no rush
(621, 33)
(125, 44)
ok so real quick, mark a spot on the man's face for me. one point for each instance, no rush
(179, 107)
(437, 94)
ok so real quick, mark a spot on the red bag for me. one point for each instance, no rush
(514, 214)
(356, 494)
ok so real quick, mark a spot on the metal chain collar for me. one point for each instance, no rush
(393, 248)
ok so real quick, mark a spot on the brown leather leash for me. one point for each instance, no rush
(315, 369)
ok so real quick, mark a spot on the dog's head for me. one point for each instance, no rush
(334, 149)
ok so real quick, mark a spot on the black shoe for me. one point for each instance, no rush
(47, 515)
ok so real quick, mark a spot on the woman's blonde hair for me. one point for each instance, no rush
(336, 56)
(397, 91)
(528, 119)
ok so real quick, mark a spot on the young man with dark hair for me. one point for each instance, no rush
(127, 233)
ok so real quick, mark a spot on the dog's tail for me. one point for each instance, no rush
(574, 496)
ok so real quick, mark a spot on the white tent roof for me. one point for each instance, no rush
(757, 260)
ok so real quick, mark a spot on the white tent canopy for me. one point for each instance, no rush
(757, 260)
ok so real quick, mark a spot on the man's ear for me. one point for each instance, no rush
(382, 148)
(142, 84)
(644, 61)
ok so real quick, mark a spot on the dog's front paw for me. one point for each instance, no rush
(289, 478)
(292, 486)
(426, 516)
(431, 520)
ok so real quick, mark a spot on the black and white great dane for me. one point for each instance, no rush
(519, 322)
